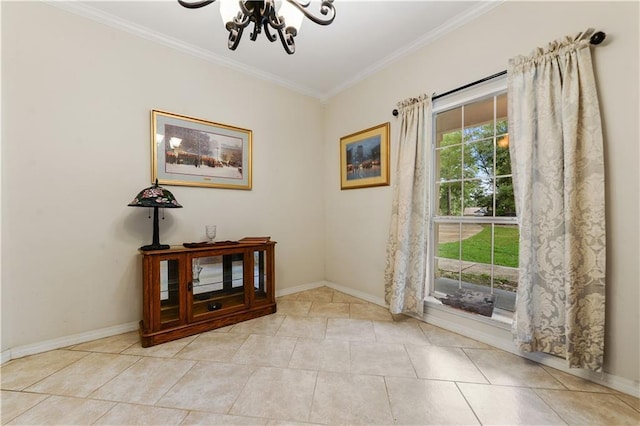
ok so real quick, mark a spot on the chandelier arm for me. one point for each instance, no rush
(275, 21)
(241, 20)
(326, 8)
(195, 5)
(263, 15)
(286, 37)
(236, 28)
(235, 34)
(267, 33)
(254, 32)
(244, 9)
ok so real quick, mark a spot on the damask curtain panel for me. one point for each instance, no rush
(405, 271)
(558, 172)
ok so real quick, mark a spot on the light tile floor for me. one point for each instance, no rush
(324, 358)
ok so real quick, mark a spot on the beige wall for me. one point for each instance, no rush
(357, 220)
(77, 97)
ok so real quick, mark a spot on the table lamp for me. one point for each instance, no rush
(155, 196)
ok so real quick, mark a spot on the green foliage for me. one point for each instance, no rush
(473, 162)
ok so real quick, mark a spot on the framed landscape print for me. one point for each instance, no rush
(364, 158)
(189, 151)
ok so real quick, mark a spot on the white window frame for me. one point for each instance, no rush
(493, 87)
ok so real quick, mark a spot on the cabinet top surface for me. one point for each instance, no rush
(225, 245)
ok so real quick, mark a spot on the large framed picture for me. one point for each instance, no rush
(364, 158)
(190, 151)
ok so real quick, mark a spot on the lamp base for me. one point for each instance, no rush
(152, 247)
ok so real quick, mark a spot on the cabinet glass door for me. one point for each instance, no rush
(169, 291)
(217, 283)
(260, 275)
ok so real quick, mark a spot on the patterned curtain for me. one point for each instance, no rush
(558, 172)
(408, 234)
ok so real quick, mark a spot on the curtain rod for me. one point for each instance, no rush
(595, 39)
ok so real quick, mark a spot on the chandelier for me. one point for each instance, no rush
(283, 23)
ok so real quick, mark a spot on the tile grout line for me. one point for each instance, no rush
(468, 403)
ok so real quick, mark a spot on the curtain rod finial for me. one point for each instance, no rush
(597, 38)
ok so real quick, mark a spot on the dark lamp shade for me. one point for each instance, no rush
(155, 196)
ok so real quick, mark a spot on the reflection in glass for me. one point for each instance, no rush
(218, 284)
(503, 159)
(449, 124)
(259, 275)
(501, 108)
(169, 290)
(478, 120)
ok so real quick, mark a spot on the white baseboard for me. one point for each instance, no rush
(502, 339)
(338, 287)
(75, 339)
(63, 342)
(356, 293)
(299, 288)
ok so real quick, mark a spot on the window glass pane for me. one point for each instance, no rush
(505, 251)
(449, 161)
(169, 290)
(447, 275)
(476, 244)
(478, 120)
(450, 203)
(448, 125)
(207, 274)
(503, 159)
(478, 159)
(501, 111)
(259, 275)
(505, 284)
(217, 283)
(475, 250)
(447, 237)
(505, 200)
(478, 197)
(476, 277)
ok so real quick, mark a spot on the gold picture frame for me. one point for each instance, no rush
(187, 151)
(364, 158)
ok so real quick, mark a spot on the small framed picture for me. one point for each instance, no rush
(190, 151)
(364, 158)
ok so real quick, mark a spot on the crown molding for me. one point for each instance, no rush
(442, 30)
(86, 11)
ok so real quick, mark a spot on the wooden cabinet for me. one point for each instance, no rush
(188, 291)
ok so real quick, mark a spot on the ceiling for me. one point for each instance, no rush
(364, 37)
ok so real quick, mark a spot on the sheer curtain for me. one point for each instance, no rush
(558, 171)
(408, 234)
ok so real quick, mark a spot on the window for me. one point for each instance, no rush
(474, 228)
